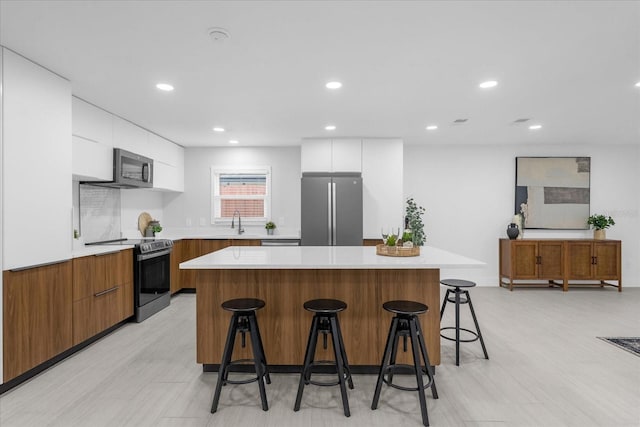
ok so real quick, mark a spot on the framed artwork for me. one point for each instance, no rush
(553, 192)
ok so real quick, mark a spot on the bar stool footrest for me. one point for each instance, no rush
(331, 363)
(473, 333)
(408, 369)
(240, 362)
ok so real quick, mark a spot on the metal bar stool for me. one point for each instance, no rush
(242, 321)
(461, 296)
(325, 321)
(405, 323)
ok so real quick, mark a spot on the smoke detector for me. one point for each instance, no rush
(218, 34)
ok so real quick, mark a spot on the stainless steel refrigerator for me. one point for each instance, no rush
(331, 209)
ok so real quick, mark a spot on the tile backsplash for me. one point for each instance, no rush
(100, 213)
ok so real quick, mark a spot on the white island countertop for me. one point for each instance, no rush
(324, 257)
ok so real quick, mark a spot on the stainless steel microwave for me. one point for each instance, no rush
(131, 170)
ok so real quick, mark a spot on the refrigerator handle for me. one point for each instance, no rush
(334, 228)
(329, 223)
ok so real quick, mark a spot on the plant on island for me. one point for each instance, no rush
(270, 225)
(413, 215)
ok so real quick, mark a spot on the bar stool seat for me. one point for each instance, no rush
(405, 324)
(325, 321)
(243, 320)
(460, 295)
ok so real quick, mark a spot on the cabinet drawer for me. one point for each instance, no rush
(100, 311)
(98, 273)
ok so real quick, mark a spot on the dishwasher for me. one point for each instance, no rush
(280, 242)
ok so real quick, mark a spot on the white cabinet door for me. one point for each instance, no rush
(331, 155)
(315, 155)
(167, 177)
(130, 137)
(91, 160)
(165, 151)
(92, 123)
(168, 162)
(37, 183)
(382, 182)
(346, 155)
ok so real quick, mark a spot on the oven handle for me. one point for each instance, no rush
(144, 257)
(115, 288)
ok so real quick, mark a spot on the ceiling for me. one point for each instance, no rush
(569, 66)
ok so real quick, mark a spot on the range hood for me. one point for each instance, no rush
(130, 170)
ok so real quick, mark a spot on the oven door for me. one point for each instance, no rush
(153, 276)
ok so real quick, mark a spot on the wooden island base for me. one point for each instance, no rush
(284, 324)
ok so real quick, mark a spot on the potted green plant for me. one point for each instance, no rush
(270, 226)
(413, 220)
(407, 238)
(600, 223)
(391, 240)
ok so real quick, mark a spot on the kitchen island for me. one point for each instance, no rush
(286, 277)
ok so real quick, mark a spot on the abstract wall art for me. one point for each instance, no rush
(553, 192)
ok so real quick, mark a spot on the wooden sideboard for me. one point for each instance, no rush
(560, 262)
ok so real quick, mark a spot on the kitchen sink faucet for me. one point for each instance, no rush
(240, 230)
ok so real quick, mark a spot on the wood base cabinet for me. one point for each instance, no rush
(595, 260)
(193, 248)
(102, 292)
(559, 262)
(37, 322)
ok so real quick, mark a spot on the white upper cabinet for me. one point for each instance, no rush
(168, 164)
(382, 185)
(331, 155)
(315, 155)
(92, 161)
(130, 137)
(92, 146)
(346, 155)
(36, 164)
(92, 123)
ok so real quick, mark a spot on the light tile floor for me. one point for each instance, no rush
(546, 369)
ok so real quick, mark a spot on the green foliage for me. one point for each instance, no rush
(600, 222)
(413, 213)
(407, 237)
(391, 240)
(270, 225)
(157, 228)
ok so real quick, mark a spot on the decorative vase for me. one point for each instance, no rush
(513, 231)
(270, 231)
(519, 221)
(599, 234)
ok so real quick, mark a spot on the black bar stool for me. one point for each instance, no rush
(405, 323)
(461, 296)
(243, 320)
(325, 321)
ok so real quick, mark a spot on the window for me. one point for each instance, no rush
(246, 190)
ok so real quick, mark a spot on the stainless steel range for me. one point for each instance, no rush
(151, 275)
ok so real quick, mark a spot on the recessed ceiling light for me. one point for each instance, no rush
(330, 127)
(638, 84)
(218, 129)
(432, 127)
(535, 127)
(333, 85)
(488, 84)
(165, 87)
(233, 141)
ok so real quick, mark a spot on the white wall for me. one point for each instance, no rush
(193, 207)
(133, 203)
(468, 193)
